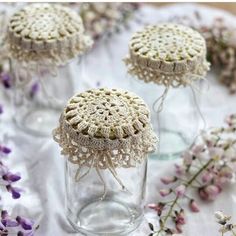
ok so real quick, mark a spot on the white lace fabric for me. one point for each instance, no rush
(167, 54)
(50, 33)
(105, 128)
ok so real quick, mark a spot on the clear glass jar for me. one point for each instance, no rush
(97, 204)
(180, 119)
(38, 99)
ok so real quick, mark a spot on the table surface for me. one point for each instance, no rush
(42, 167)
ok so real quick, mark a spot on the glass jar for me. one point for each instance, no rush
(39, 99)
(180, 119)
(167, 65)
(106, 136)
(41, 48)
(118, 212)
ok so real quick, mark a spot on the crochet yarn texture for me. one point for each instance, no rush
(105, 129)
(167, 54)
(50, 33)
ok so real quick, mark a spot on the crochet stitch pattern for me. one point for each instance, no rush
(105, 129)
(167, 54)
(46, 32)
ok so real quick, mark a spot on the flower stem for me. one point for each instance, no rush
(175, 201)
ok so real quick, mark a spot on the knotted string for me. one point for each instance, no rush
(52, 101)
(162, 98)
(110, 167)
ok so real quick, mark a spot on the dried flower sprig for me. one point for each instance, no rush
(221, 47)
(18, 226)
(225, 225)
(101, 19)
(207, 166)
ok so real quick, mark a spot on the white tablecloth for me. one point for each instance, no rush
(41, 165)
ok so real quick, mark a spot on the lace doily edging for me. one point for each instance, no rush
(118, 153)
(53, 57)
(172, 78)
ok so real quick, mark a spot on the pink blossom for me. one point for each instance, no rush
(193, 206)
(197, 149)
(209, 139)
(165, 192)
(157, 207)
(180, 190)
(216, 152)
(168, 179)
(179, 169)
(210, 192)
(226, 172)
(180, 218)
(207, 177)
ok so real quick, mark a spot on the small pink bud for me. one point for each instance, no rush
(180, 217)
(165, 192)
(209, 192)
(213, 191)
(197, 149)
(180, 190)
(207, 177)
(193, 206)
(203, 195)
(179, 170)
(157, 207)
(168, 179)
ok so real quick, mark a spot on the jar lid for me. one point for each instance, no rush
(111, 121)
(167, 54)
(46, 31)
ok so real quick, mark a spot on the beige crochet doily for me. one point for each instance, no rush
(46, 33)
(167, 54)
(105, 129)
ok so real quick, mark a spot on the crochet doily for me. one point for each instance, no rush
(167, 54)
(105, 129)
(47, 33)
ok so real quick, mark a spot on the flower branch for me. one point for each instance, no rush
(208, 165)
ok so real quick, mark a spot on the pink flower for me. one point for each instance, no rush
(226, 172)
(157, 207)
(216, 152)
(224, 176)
(165, 192)
(179, 170)
(180, 218)
(209, 139)
(193, 206)
(168, 179)
(207, 177)
(180, 190)
(197, 149)
(210, 192)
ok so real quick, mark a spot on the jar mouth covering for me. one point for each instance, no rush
(167, 54)
(105, 129)
(48, 32)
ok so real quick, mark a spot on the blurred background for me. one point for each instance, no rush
(228, 6)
